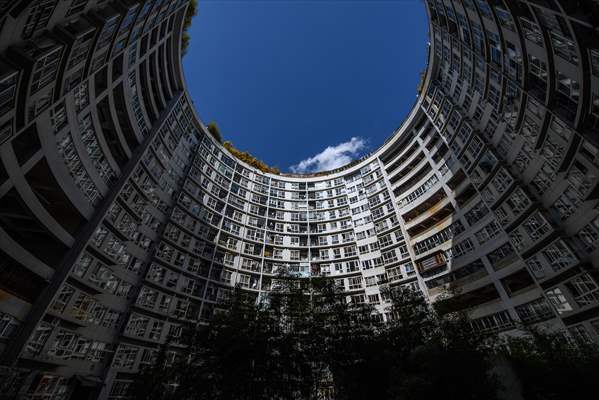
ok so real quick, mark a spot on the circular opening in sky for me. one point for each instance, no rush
(306, 86)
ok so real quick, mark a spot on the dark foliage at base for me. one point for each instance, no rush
(307, 342)
(551, 367)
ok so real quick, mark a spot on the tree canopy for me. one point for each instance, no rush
(214, 131)
(192, 10)
(306, 341)
(250, 159)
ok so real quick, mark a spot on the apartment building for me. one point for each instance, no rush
(124, 223)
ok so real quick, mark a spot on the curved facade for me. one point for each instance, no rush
(123, 223)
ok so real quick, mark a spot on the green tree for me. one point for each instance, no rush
(453, 360)
(432, 353)
(349, 348)
(158, 380)
(191, 11)
(251, 350)
(250, 159)
(305, 340)
(550, 365)
(214, 131)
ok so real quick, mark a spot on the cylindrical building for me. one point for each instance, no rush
(123, 222)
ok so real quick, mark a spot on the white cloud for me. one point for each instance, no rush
(332, 157)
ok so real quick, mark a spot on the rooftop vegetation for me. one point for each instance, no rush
(192, 10)
(241, 155)
(250, 159)
(215, 132)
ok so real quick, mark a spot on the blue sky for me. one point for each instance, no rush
(306, 85)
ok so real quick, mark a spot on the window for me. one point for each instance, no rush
(420, 191)
(594, 60)
(374, 299)
(76, 7)
(8, 89)
(580, 335)
(584, 288)
(438, 238)
(488, 232)
(538, 74)
(355, 283)
(337, 253)
(454, 119)
(389, 257)
(385, 240)
(501, 256)
(156, 330)
(80, 49)
(589, 235)
(559, 255)
(8, 325)
(492, 323)
(125, 356)
(45, 69)
(39, 15)
(295, 254)
(536, 226)
(476, 213)
(349, 251)
(502, 180)
(137, 325)
(532, 31)
(559, 301)
(544, 178)
(518, 201)
(49, 387)
(534, 311)
(460, 249)
(567, 203)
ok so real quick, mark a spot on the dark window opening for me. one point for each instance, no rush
(467, 300)
(517, 281)
(117, 67)
(123, 117)
(395, 151)
(24, 228)
(26, 144)
(145, 91)
(171, 65)
(48, 191)
(155, 83)
(6, 131)
(465, 196)
(422, 208)
(143, 48)
(164, 82)
(426, 168)
(101, 80)
(457, 179)
(430, 222)
(110, 133)
(3, 173)
(408, 168)
(18, 280)
(154, 37)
